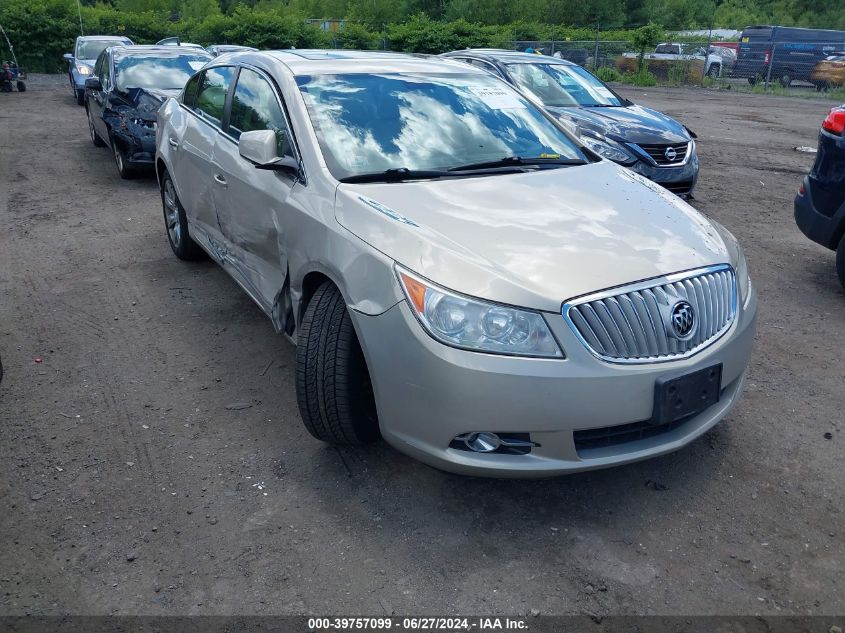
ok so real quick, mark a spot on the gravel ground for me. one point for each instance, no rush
(153, 460)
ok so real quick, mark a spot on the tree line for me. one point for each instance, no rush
(41, 30)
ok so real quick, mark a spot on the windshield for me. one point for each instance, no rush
(369, 123)
(562, 85)
(91, 49)
(161, 73)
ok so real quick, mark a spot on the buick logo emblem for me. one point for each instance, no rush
(682, 321)
(671, 154)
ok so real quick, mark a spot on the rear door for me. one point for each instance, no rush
(755, 47)
(192, 138)
(252, 204)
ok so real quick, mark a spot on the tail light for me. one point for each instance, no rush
(801, 189)
(767, 56)
(835, 121)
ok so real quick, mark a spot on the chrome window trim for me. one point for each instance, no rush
(645, 285)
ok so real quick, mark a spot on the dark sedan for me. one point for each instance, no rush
(820, 203)
(123, 96)
(646, 141)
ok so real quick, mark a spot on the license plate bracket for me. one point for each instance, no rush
(681, 397)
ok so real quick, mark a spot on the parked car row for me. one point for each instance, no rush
(465, 272)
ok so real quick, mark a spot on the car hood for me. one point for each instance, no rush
(533, 239)
(147, 101)
(631, 124)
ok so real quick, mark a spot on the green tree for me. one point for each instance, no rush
(646, 38)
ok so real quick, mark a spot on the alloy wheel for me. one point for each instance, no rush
(171, 213)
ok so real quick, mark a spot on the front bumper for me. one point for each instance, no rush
(78, 79)
(428, 393)
(138, 146)
(679, 180)
(826, 230)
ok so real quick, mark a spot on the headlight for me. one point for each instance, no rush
(477, 325)
(82, 69)
(607, 148)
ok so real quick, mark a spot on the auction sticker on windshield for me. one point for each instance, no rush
(497, 98)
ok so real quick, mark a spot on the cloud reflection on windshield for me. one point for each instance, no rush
(370, 123)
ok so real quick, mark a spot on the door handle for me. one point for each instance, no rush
(173, 143)
(220, 180)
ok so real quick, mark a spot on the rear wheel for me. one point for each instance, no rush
(176, 223)
(714, 71)
(80, 97)
(21, 86)
(786, 79)
(840, 261)
(332, 381)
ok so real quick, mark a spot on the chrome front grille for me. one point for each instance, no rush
(633, 324)
(668, 154)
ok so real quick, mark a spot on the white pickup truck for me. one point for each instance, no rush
(672, 51)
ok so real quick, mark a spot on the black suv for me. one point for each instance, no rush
(820, 203)
(124, 93)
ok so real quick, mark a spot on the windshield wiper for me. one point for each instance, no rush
(396, 174)
(518, 161)
(399, 174)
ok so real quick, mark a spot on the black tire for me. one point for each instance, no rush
(840, 261)
(95, 138)
(80, 97)
(176, 223)
(714, 71)
(333, 386)
(786, 79)
(21, 86)
(752, 81)
(123, 169)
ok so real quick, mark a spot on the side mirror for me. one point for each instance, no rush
(68, 57)
(93, 83)
(261, 148)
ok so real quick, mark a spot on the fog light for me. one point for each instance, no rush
(482, 442)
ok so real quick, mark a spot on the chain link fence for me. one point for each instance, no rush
(703, 61)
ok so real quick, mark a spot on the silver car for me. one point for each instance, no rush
(460, 276)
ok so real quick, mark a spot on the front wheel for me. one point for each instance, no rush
(21, 86)
(80, 97)
(786, 80)
(176, 223)
(840, 261)
(333, 386)
(123, 169)
(95, 138)
(714, 71)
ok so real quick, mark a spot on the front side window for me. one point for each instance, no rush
(374, 122)
(189, 96)
(212, 91)
(255, 107)
(150, 72)
(559, 85)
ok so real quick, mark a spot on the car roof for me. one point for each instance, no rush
(330, 62)
(103, 38)
(151, 50)
(510, 57)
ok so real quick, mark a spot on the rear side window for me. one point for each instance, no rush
(212, 91)
(189, 98)
(255, 107)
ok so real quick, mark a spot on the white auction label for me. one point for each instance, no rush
(498, 97)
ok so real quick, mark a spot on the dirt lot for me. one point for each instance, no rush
(153, 460)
